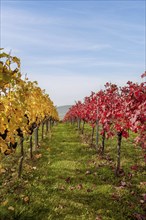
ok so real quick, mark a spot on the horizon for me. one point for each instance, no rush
(73, 48)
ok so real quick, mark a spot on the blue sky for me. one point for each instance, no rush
(74, 47)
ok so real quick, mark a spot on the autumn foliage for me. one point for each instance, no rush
(118, 110)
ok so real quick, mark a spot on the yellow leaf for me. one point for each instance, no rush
(5, 202)
(16, 60)
(8, 62)
(3, 146)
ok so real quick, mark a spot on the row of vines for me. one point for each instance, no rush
(113, 112)
(24, 107)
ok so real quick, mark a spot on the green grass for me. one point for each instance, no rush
(70, 181)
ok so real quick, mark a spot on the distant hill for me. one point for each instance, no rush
(62, 110)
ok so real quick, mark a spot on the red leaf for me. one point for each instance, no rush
(134, 167)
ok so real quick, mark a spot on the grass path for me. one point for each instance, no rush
(67, 182)
(65, 172)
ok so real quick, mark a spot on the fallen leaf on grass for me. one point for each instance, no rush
(130, 175)
(132, 193)
(62, 188)
(115, 196)
(72, 188)
(61, 207)
(108, 158)
(2, 170)
(123, 183)
(138, 216)
(4, 203)
(94, 162)
(13, 170)
(38, 156)
(142, 201)
(134, 167)
(142, 183)
(89, 190)
(26, 181)
(68, 180)
(26, 199)
(79, 186)
(88, 172)
(11, 208)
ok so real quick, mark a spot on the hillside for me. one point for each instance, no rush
(62, 110)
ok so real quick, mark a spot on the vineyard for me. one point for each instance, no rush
(91, 165)
(24, 106)
(113, 112)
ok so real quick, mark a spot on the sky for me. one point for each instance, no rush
(74, 47)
